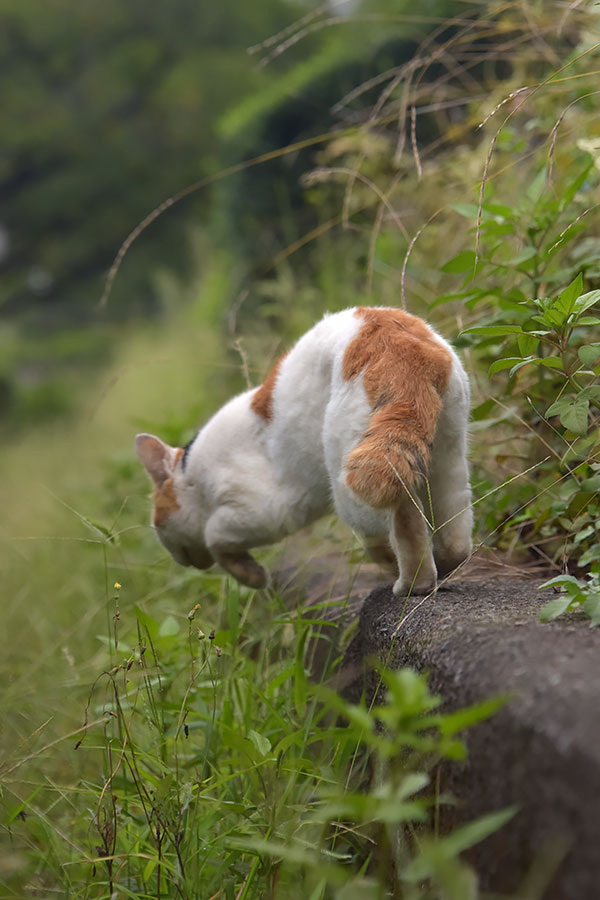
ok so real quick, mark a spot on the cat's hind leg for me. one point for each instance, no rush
(448, 481)
(411, 542)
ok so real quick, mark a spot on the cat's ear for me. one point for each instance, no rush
(157, 457)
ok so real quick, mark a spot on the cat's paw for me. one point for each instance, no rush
(256, 577)
(244, 569)
(406, 588)
(447, 561)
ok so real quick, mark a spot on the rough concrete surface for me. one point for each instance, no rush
(479, 638)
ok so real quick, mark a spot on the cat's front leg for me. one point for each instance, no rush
(228, 535)
(242, 566)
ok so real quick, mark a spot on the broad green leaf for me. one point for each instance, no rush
(592, 607)
(590, 556)
(553, 316)
(501, 364)
(573, 186)
(455, 843)
(548, 362)
(589, 354)
(566, 300)
(462, 262)
(527, 344)
(472, 833)
(588, 320)
(562, 580)
(592, 483)
(519, 365)
(586, 301)
(584, 533)
(558, 406)
(575, 418)
(468, 210)
(556, 607)
(452, 723)
(592, 390)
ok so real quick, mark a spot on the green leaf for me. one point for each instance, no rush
(150, 624)
(575, 418)
(452, 723)
(548, 362)
(558, 406)
(501, 364)
(473, 833)
(591, 607)
(592, 390)
(555, 607)
(586, 301)
(591, 484)
(468, 210)
(573, 186)
(521, 364)
(462, 262)
(262, 744)
(168, 627)
(562, 580)
(590, 556)
(455, 843)
(566, 300)
(589, 354)
(527, 254)
(527, 344)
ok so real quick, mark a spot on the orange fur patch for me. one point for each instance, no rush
(262, 402)
(165, 498)
(405, 371)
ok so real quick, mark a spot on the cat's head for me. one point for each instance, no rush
(177, 516)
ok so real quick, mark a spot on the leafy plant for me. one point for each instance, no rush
(575, 593)
(544, 339)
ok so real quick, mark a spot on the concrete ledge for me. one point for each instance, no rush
(541, 751)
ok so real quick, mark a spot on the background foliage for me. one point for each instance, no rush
(445, 159)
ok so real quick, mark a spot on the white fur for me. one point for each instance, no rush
(248, 481)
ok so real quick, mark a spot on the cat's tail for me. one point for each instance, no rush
(405, 370)
(395, 451)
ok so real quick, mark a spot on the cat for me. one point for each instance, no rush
(367, 414)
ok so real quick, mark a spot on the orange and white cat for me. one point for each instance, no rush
(366, 414)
